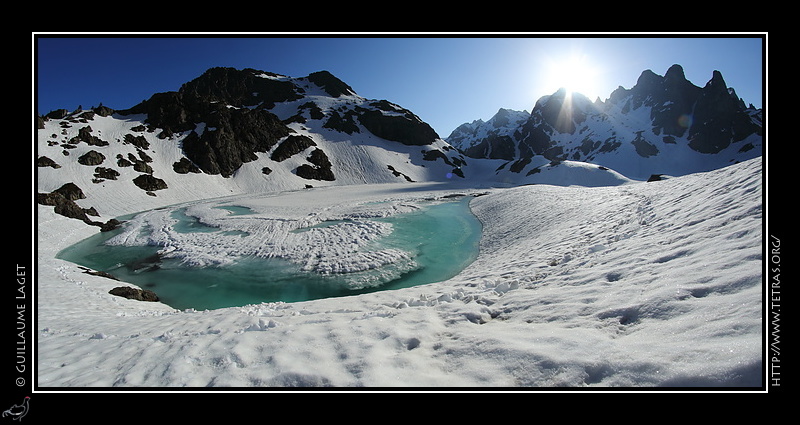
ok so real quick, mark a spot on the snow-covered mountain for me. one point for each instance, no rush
(236, 131)
(492, 139)
(663, 125)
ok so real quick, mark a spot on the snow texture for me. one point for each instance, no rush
(632, 284)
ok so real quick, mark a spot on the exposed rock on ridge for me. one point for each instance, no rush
(298, 129)
(235, 105)
(646, 119)
(63, 200)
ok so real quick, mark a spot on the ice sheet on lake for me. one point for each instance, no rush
(345, 247)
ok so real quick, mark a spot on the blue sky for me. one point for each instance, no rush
(446, 80)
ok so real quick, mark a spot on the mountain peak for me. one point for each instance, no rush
(505, 116)
(648, 78)
(263, 131)
(637, 131)
(332, 85)
(717, 80)
(675, 72)
(244, 87)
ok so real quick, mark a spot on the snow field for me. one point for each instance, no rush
(636, 285)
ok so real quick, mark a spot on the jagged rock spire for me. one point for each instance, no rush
(709, 119)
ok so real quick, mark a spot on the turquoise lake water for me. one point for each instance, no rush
(443, 239)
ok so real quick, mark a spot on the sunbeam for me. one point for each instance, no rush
(574, 73)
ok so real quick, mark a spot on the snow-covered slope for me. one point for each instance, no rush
(491, 139)
(355, 161)
(642, 284)
(125, 145)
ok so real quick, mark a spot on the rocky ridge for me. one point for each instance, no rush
(299, 131)
(681, 128)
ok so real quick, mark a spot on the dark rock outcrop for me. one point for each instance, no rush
(70, 191)
(434, 154)
(63, 200)
(106, 173)
(293, 145)
(138, 141)
(209, 93)
(247, 87)
(106, 275)
(392, 122)
(332, 85)
(63, 206)
(344, 123)
(493, 147)
(44, 161)
(91, 158)
(57, 114)
(673, 98)
(719, 118)
(134, 293)
(398, 174)
(321, 169)
(85, 136)
(149, 183)
(232, 138)
(184, 166)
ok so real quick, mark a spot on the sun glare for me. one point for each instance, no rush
(574, 73)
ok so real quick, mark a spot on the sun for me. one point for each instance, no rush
(574, 73)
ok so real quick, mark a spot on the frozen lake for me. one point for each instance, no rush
(215, 254)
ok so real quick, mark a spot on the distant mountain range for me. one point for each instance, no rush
(662, 125)
(233, 131)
